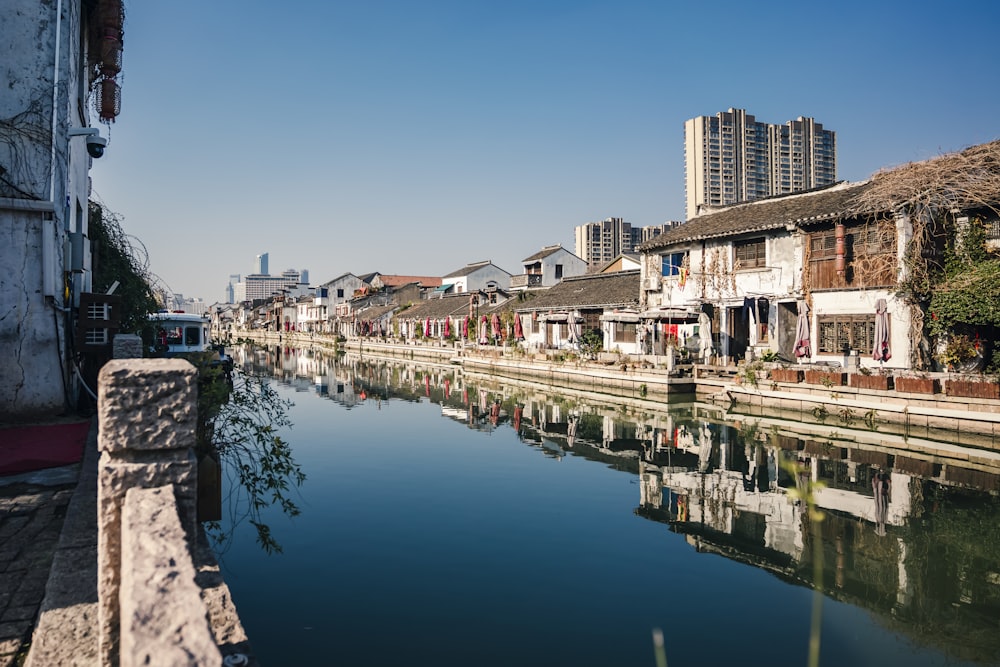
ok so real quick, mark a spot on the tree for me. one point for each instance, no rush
(117, 260)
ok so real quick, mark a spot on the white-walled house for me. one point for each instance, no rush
(45, 155)
(477, 276)
(547, 267)
(557, 317)
(752, 266)
(339, 293)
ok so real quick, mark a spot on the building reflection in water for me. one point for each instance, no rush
(911, 529)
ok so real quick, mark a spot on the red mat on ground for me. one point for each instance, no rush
(29, 448)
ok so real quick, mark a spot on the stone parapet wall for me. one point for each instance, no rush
(147, 411)
(163, 619)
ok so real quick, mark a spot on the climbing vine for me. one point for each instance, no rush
(20, 135)
(937, 275)
(121, 258)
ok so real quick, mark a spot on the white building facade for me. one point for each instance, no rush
(45, 156)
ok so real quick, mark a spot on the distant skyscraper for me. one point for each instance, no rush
(262, 264)
(234, 279)
(731, 157)
(304, 276)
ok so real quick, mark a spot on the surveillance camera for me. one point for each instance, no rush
(96, 145)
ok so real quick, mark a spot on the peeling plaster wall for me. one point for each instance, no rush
(43, 197)
(30, 375)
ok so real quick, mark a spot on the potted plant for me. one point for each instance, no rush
(866, 379)
(785, 374)
(825, 376)
(972, 387)
(916, 383)
(961, 354)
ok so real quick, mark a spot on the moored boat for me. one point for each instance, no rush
(179, 334)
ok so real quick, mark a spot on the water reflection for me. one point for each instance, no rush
(912, 528)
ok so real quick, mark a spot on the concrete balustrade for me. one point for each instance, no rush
(147, 414)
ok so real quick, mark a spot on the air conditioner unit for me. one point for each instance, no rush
(652, 284)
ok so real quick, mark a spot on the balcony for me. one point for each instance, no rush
(526, 280)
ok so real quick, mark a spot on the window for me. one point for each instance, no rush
(624, 332)
(672, 263)
(842, 333)
(559, 268)
(192, 336)
(869, 257)
(750, 254)
(340, 293)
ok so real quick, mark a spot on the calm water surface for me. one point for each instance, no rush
(437, 529)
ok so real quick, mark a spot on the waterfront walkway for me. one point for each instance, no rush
(34, 506)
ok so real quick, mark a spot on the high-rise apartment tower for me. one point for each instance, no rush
(731, 157)
(600, 242)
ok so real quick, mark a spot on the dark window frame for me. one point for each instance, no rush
(750, 253)
(625, 332)
(840, 334)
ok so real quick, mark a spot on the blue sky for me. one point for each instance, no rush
(414, 137)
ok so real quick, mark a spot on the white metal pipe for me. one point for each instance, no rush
(55, 103)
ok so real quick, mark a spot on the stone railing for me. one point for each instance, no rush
(149, 609)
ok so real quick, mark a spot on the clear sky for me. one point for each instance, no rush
(417, 136)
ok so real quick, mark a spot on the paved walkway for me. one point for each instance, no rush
(48, 571)
(33, 509)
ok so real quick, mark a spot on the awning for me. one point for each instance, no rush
(444, 288)
(672, 314)
(620, 317)
(557, 317)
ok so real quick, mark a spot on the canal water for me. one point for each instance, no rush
(452, 519)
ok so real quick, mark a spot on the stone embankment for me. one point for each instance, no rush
(973, 421)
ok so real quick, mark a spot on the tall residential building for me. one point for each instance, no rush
(262, 264)
(732, 157)
(600, 242)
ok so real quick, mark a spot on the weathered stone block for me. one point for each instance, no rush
(126, 346)
(147, 404)
(116, 476)
(164, 621)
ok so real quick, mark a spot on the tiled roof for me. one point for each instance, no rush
(466, 270)
(763, 214)
(396, 281)
(375, 312)
(454, 306)
(544, 252)
(340, 277)
(601, 290)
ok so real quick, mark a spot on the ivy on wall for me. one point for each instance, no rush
(116, 259)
